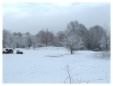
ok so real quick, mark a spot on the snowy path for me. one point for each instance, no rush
(48, 65)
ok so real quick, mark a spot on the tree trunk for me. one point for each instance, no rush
(71, 50)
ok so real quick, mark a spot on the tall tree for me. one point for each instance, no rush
(73, 40)
(45, 37)
(80, 30)
(98, 38)
(7, 39)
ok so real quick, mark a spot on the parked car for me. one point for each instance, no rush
(19, 52)
(8, 51)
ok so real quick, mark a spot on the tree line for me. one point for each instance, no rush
(75, 37)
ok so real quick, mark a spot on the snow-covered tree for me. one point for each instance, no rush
(22, 40)
(83, 34)
(7, 39)
(73, 40)
(34, 41)
(18, 40)
(80, 30)
(98, 38)
(60, 38)
(45, 37)
(28, 40)
(108, 43)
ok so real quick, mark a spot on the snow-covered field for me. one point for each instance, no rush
(56, 65)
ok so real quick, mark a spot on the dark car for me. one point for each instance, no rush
(7, 51)
(19, 52)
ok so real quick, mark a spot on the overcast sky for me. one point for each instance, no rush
(32, 17)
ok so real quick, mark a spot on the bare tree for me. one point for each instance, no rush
(45, 37)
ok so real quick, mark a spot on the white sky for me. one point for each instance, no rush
(34, 15)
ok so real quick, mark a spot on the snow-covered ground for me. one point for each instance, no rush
(54, 65)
